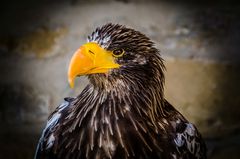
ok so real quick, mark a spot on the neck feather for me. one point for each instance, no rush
(99, 115)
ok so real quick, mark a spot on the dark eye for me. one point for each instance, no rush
(118, 52)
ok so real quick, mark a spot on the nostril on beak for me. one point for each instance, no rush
(91, 52)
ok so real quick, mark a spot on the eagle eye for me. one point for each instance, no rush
(118, 52)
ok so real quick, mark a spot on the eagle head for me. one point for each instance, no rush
(116, 55)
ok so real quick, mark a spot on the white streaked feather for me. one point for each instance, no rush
(53, 120)
(50, 141)
(190, 130)
(174, 156)
(63, 106)
(103, 42)
(179, 140)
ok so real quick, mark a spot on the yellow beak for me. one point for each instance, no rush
(90, 59)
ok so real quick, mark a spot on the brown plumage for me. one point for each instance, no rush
(122, 114)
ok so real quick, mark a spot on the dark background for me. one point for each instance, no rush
(199, 41)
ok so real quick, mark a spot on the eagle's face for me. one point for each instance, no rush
(127, 45)
(112, 51)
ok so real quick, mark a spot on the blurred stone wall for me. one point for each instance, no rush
(200, 45)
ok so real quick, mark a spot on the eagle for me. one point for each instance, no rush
(122, 112)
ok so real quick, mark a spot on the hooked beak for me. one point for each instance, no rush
(90, 59)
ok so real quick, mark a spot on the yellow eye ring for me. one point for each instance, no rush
(118, 52)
